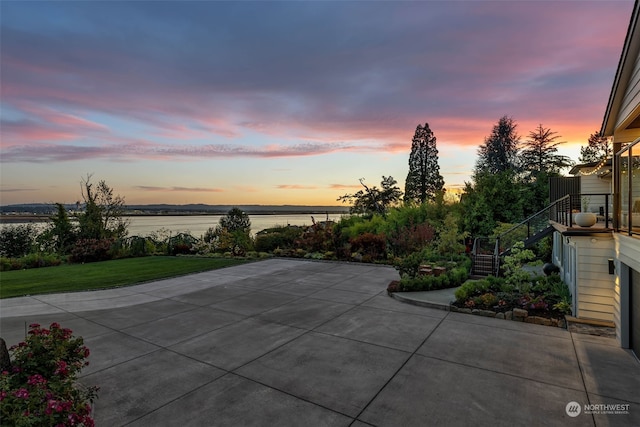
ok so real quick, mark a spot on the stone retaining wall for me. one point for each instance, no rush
(517, 314)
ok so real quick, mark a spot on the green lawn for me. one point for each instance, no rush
(101, 275)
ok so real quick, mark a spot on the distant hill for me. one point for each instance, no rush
(191, 209)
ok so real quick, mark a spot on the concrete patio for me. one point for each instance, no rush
(289, 343)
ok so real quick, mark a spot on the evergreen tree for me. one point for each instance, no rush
(61, 233)
(597, 148)
(539, 153)
(424, 181)
(500, 149)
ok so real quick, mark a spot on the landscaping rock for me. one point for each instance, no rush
(485, 313)
(499, 315)
(538, 320)
(508, 315)
(464, 310)
(520, 313)
(527, 319)
(453, 308)
(562, 324)
(437, 271)
(425, 270)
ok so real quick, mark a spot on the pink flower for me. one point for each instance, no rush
(3, 394)
(22, 393)
(36, 379)
(54, 325)
(61, 368)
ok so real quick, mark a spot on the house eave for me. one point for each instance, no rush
(623, 74)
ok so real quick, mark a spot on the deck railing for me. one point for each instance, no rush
(562, 210)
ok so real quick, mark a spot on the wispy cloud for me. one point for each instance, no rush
(17, 190)
(178, 189)
(343, 186)
(357, 83)
(296, 187)
(38, 153)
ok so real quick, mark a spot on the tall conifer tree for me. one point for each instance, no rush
(500, 149)
(424, 181)
(597, 148)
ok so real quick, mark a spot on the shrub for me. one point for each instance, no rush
(408, 266)
(33, 260)
(181, 244)
(513, 271)
(455, 276)
(277, 237)
(40, 387)
(16, 240)
(411, 238)
(372, 247)
(474, 288)
(317, 238)
(91, 250)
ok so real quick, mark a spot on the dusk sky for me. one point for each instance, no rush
(285, 102)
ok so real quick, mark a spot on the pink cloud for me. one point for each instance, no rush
(296, 187)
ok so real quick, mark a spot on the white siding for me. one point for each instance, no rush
(593, 184)
(631, 97)
(594, 284)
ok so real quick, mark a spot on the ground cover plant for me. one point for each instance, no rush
(545, 296)
(38, 385)
(107, 274)
(428, 270)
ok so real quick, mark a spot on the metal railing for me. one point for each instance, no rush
(562, 210)
(539, 225)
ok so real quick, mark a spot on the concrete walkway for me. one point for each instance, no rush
(290, 343)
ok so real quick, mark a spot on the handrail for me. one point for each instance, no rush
(559, 211)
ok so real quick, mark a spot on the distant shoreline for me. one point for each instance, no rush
(26, 218)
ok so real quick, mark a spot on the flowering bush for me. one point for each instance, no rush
(40, 388)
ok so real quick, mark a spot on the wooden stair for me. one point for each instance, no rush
(483, 265)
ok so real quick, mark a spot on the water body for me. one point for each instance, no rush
(197, 225)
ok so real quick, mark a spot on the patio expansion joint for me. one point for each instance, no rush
(582, 374)
(520, 377)
(412, 354)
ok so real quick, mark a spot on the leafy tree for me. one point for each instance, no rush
(236, 220)
(500, 149)
(103, 214)
(491, 199)
(232, 234)
(424, 180)
(61, 233)
(374, 200)
(16, 240)
(450, 241)
(597, 148)
(539, 153)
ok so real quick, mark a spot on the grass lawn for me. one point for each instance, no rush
(101, 275)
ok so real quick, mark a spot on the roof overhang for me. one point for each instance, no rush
(621, 80)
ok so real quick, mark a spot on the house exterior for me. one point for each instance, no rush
(601, 264)
(622, 123)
